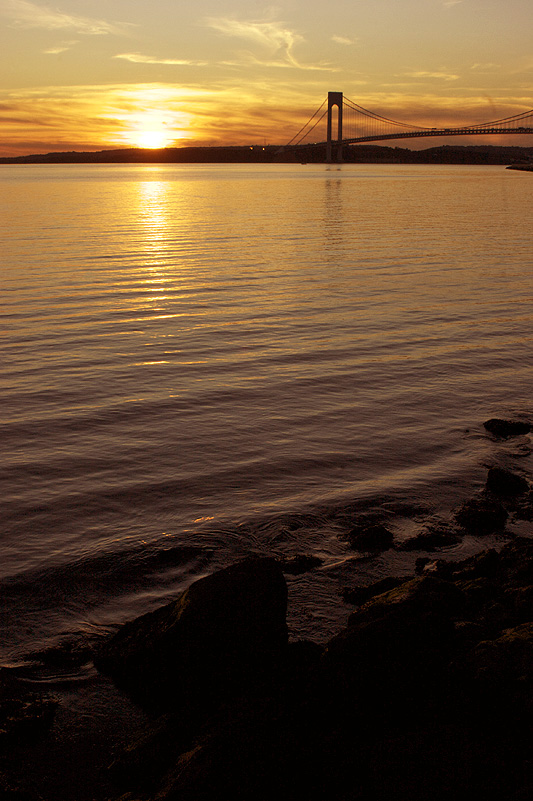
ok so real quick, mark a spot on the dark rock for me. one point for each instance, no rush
(394, 648)
(425, 694)
(486, 564)
(360, 595)
(300, 563)
(506, 428)
(482, 516)
(523, 506)
(429, 539)
(424, 598)
(65, 655)
(503, 482)
(224, 632)
(370, 538)
(12, 790)
(503, 669)
(24, 715)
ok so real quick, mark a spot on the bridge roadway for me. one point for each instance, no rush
(430, 132)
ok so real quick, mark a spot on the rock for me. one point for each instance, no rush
(360, 595)
(425, 694)
(24, 715)
(429, 539)
(506, 428)
(502, 670)
(370, 538)
(482, 516)
(424, 598)
(223, 633)
(394, 648)
(300, 563)
(503, 482)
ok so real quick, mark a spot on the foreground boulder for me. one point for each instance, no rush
(224, 632)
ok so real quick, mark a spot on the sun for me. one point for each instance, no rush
(151, 139)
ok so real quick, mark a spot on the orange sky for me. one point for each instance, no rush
(112, 73)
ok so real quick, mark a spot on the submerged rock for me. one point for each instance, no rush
(300, 563)
(224, 632)
(482, 516)
(360, 595)
(431, 538)
(507, 428)
(503, 482)
(24, 715)
(370, 538)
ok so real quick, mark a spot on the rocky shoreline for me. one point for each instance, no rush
(427, 692)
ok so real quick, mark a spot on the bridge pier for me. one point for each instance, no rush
(334, 99)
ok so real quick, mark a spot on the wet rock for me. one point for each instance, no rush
(300, 563)
(24, 715)
(370, 538)
(506, 428)
(482, 516)
(431, 538)
(225, 631)
(523, 506)
(13, 790)
(360, 595)
(65, 655)
(394, 648)
(503, 667)
(425, 693)
(503, 482)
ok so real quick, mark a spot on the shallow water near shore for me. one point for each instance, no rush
(202, 362)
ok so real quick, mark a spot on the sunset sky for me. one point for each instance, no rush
(93, 74)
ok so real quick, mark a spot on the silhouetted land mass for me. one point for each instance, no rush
(364, 154)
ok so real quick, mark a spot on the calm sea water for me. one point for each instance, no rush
(199, 362)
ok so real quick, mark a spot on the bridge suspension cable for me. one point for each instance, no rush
(309, 121)
(374, 116)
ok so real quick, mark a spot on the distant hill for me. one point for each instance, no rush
(369, 154)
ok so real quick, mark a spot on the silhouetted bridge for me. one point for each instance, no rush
(355, 124)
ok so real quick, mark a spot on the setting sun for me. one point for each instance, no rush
(151, 139)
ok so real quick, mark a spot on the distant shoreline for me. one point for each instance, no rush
(316, 154)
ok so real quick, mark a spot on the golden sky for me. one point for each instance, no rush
(93, 74)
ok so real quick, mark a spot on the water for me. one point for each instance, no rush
(200, 362)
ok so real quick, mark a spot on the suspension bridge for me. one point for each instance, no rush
(355, 124)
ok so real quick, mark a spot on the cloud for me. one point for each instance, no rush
(342, 40)
(25, 14)
(442, 76)
(450, 3)
(487, 67)
(60, 48)
(271, 37)
(138, 58)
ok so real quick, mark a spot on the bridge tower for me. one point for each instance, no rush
(334, 99)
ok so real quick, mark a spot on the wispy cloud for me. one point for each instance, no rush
(24, 14)
(274, 39)
(342, 40)
(139, 58)
(441, 76)
(449, 3)
(62, 47)
(487, 67)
